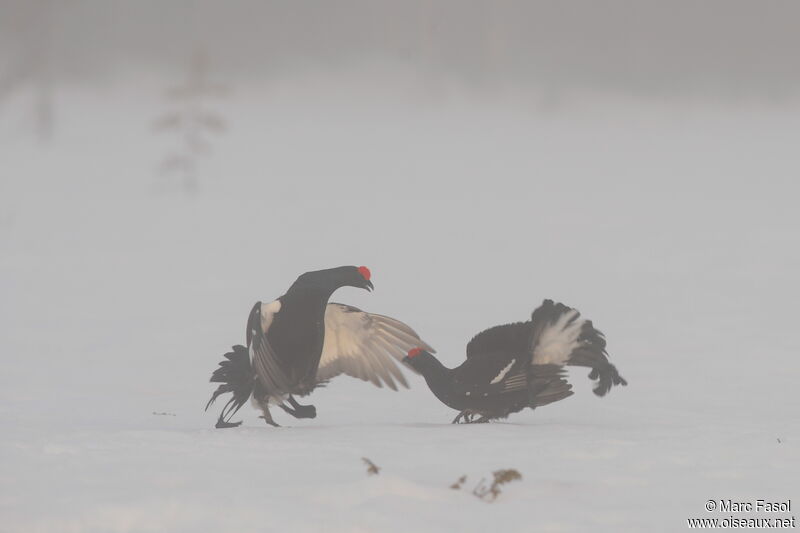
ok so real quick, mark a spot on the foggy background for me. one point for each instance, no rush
(717, 49)
(163, 165)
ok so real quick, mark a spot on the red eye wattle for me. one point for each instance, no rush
(365, 273)
(413, 352)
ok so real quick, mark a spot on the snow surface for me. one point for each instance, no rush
(672, 225)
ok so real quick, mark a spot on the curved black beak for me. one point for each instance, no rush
(368, 285)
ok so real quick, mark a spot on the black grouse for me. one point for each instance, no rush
(514, 366)
(300, 341)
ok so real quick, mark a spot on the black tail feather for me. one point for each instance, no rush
(547, 384)
(606, 376)
(236, 376)
(592, 349)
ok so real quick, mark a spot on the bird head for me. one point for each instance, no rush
(331, 279)
(419, 359)
(351, 276)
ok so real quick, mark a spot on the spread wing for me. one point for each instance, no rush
(365, 346)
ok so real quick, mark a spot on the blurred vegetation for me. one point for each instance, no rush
(192, 121)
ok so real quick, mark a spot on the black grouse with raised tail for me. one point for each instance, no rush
(514, 366)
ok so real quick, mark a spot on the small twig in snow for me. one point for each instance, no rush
(457, 484)
(501, 477)
(372, 468)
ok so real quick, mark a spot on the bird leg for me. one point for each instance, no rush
(267, 416)
(288, 410)
(300, 411)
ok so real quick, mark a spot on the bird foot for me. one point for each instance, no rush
(465, 415)
(221, 424)
(468, 417)
(270, 421)
(302, 411)
(306, 411)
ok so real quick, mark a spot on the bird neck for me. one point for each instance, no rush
(318, 291)
(439, 379)
(324, 282)
(312, 291)
(434, 371)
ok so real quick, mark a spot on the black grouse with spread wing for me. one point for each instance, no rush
(514, 366)
(300, 341)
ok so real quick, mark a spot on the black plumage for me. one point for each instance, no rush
(236, 376)
(519, 365)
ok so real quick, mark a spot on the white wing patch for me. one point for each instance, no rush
(558, 340)
(503, 373)
(365, 346)
(268, 313)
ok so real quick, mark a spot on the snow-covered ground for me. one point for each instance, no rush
(673, 226)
